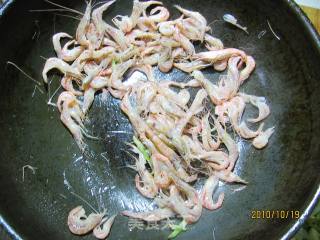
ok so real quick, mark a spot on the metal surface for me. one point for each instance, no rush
(284, 176)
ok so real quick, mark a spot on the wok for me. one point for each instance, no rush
(283, 176)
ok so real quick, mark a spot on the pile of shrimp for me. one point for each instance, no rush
(185, 140)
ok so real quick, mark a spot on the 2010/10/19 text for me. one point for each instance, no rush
(275, 214)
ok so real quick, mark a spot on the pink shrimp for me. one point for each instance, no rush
(218, 55)
(207, 192)
(250, 65)
(208, 142)
(199, 20)
(213, 43)
(262, 139)
(83, 26)
(59, 64)
(103, 232)
(191, 66)
(185, 42)
(64, 53)
(81, 224)
(162, 15)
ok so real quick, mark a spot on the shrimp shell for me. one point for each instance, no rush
(81, 224)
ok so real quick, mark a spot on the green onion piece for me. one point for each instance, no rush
(177, 229)
(114, 63)
(145, 152)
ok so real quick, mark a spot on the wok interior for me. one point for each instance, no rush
(281, 177)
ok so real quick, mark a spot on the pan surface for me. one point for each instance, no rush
(283, 176)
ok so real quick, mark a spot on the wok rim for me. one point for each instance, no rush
(293, 229)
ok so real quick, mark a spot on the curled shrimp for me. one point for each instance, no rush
(166, 28)
(64, 53)
(207, 192)
(162, 15)
(140, 8)
(81, 224)
(104, 231)
(71, 115)
(262, 139)
(59, 64)
(246, 72)
(199, 20)
(67, 84)
(260, 103)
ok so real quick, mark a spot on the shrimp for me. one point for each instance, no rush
(83, 26)
(165, 62)
(199, 20)
(194, 108)
(262, 139)
(99, 82)
(59, 64)
(207, 192)
(208, 142)
(211, 88)
(161, 177)
(166, 28)
(81, 224)
(117, 35)
(140, 8)
(260, 103)
(250, 66)
(192, 214)
(185, 42)
(229, 85)
(189, 28)
(66, 83)
(97, 55)
(151, 216)
(146, 24)
(115, 80)
(103, 232)
(229, 143)
(88, 98)
(220, 65)
(213, 43)
(148, 188)
(247, 133)
(98, 21)
(230, 177)
(162, 16)
(191, 66)
(70, 55)
(218, 55)
(65, 54)
(71, 115)
(124, 24)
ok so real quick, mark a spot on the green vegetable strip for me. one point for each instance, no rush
(145, 152)
(177, 229)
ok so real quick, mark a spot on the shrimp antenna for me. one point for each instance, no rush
(85, 201)
(24, 73)
(63, 7)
